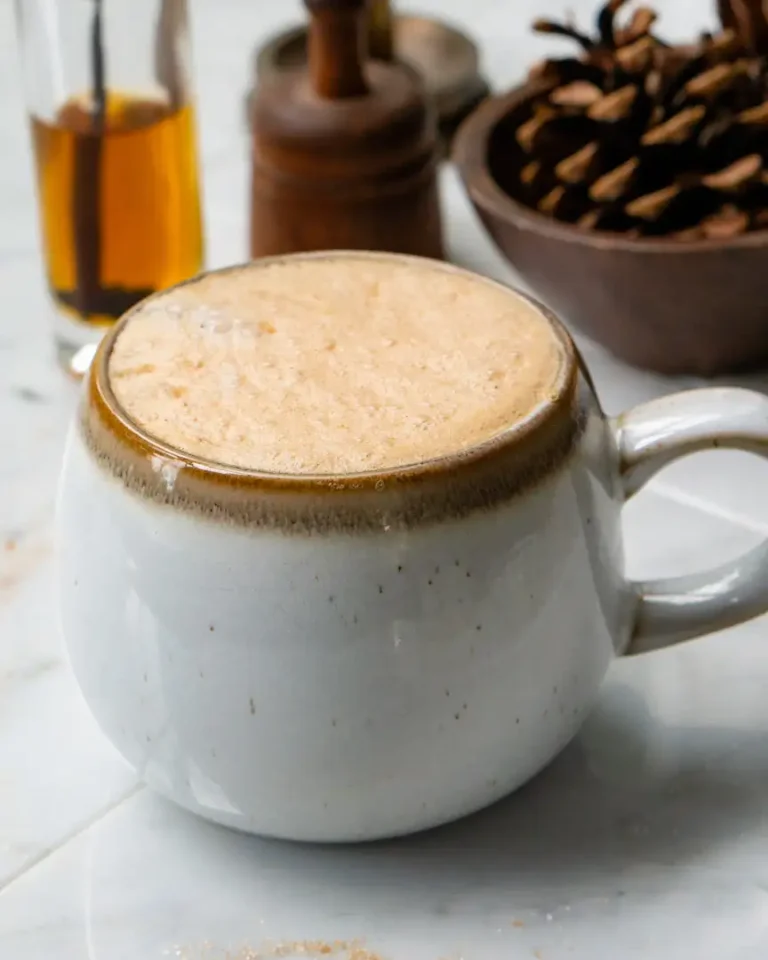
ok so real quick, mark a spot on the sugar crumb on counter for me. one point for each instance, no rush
(310, 949)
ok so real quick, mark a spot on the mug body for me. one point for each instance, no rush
(343, 660)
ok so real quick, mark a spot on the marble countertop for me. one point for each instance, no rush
(647, 838)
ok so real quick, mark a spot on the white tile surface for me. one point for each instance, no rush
(650, 833)
(56, 771)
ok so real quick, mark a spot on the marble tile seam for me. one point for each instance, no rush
(68, 838)
(679, 495)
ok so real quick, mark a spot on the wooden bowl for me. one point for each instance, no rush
(698, 307)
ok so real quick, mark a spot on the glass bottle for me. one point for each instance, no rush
(113, 131)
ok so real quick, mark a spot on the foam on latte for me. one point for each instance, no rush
(334, 364)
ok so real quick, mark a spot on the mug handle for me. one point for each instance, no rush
(648, 438)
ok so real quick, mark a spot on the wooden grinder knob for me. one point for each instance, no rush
(336, 43)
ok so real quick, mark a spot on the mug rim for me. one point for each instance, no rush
(102, 402)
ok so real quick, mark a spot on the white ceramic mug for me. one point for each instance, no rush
(348, 658)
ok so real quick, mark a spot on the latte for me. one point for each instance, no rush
(333, 364)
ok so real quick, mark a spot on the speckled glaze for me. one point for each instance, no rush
(350, 658)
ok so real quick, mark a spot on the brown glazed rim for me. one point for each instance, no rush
(535, 445)
(470, 154)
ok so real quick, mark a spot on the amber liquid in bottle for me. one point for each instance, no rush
(144, 217)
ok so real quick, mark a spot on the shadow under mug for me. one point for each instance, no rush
(342, 658)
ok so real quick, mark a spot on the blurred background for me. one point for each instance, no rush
(224, 36)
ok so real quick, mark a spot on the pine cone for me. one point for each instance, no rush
(639, 137)
(749, 21)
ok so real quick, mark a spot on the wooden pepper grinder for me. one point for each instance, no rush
(381, 44)
(344, 154)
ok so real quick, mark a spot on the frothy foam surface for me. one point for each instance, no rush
(333, 365)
